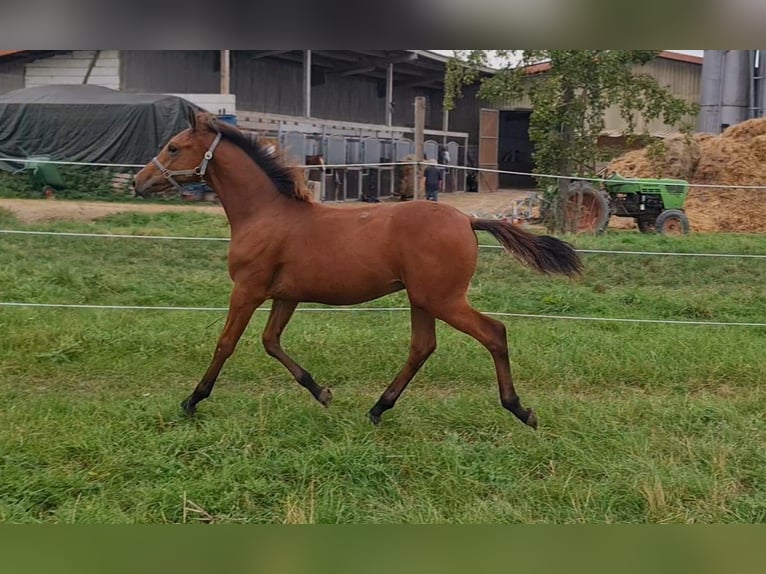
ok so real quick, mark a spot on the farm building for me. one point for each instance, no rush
(680, 73)
(350, 106)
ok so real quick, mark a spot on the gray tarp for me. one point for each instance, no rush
(88, 123)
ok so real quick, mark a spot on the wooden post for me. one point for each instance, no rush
(420, 124)
(225, 71)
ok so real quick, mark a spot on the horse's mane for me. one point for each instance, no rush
(287, 178)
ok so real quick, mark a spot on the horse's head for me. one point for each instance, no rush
(184, 159)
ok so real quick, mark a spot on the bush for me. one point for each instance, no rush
(82, 182)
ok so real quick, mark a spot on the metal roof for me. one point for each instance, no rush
(412, 68)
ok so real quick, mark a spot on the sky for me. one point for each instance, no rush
(699, 53)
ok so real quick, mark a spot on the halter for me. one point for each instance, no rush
(199, 171)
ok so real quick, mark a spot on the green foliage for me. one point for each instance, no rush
(639, 423)
(570, 99)
(82, 182)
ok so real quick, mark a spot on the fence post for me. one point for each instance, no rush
(420, 121)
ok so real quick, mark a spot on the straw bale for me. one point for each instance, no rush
(746, 130)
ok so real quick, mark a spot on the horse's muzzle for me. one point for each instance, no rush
(139, 187)
(144, 186)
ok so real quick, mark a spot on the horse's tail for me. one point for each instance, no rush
(542, 252)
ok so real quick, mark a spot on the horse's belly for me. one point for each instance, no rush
(334, 288)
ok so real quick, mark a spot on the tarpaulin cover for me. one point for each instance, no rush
(89, 123)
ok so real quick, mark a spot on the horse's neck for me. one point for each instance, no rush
(245, 193)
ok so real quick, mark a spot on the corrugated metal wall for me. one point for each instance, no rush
(274, 86)
(465, 116)
(683, 81)
(170, 71)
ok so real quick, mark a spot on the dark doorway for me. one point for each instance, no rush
(515, 149)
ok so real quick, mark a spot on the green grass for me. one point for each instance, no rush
(639, 423)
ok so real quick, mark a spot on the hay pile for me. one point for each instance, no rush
(736, 157)
(678, 158)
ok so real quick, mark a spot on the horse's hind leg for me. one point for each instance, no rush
(281, 312)
(492, 334)
(241, 307)
(422, 344)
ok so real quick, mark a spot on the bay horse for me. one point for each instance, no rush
(289, 249)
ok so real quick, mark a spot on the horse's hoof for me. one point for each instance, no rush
(375, 419)
(188, 407)
(325, 396)
(531, 419)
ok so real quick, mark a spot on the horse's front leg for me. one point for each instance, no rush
(242, 304)
(281, 312)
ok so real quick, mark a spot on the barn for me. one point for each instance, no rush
(509, 122)
(351, 106)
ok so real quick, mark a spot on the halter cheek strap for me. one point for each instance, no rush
(198, 171)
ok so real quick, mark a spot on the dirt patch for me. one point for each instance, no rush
(42, 210)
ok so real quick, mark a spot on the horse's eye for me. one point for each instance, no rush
(172, 148)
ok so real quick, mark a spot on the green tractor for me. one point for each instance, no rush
(655, 204)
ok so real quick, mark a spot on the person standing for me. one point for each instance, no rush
(433, 181)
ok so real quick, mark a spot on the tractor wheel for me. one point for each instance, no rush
(672, 222)
(645, 225)
(586, 209)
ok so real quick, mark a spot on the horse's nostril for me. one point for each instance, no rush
(137, 189)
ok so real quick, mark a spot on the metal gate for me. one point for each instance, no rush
(295, 146)
(431, 149)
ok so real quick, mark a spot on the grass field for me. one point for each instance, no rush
(638, 422)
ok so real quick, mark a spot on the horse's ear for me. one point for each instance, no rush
(212, 123)
(191, 117)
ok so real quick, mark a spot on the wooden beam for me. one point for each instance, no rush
(296, 57)
(307, 83)
(363, 70)
(390, 95)
(336, 55)
(370, 64)
(422, 81)
(269, 53)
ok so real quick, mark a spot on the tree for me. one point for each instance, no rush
(568, 102)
